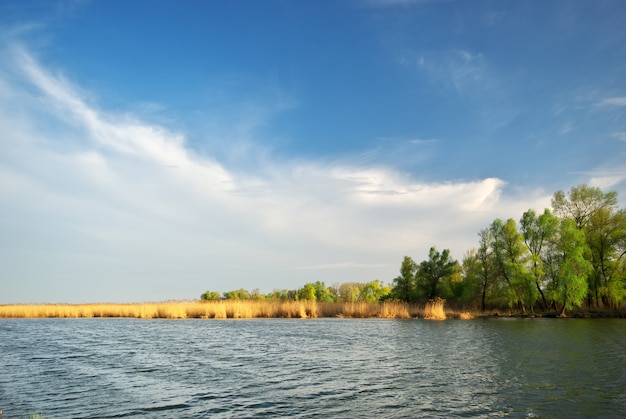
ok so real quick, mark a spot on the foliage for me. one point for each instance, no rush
(511, 259)
(604, 224)
(538, 231)
(307, 293)
(568, 267)
(404, 285)
(373, 291)
(239, 294)
(431, 272)
(210, 296)
(582, 203)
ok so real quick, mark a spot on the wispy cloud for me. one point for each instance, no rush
(605, 179)
(398, 3)
(613, 101)
(112, 205)
(566, 128)
(343, 265)
(424, 141)
(469, 74)
(460, 69)
(619, 135)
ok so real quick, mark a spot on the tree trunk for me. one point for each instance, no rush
(543, 297)
(483, 304)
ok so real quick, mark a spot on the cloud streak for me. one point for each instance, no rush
(613, 101)
(115, 208)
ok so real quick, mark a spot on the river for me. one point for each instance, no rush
(113, 368)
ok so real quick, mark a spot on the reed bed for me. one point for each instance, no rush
(225, 309)
(434, 309)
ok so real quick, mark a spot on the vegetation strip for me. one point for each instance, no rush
(233, 309)
(569, 261)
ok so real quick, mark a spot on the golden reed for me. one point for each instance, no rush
(434, 309)
(226, 309)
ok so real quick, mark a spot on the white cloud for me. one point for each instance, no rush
(613, 101)
(100, 206)
(607, 178)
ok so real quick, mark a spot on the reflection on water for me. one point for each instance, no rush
(103, 368)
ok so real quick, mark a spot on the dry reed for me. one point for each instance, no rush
(224, 309)
(434, 309)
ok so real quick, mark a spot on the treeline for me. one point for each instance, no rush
(573, 255)
(567, 257)
(347, 292)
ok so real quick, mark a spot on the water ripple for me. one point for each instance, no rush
(115, 368)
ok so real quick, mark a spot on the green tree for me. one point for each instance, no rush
(373, 291)
(239, 294)
(511, 258)
(349, 292)
(486, 264)
(568, 266)
(307, 292)
(404, 284)
(256, 294)
(480, 271)
(463, 285)
(581, 203)
(606, 237)
(538, 231)
(596, 213)
(431, 272)
(323, 293)
(210, 296)
(282, 295)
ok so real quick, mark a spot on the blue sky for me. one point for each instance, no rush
(152, 150)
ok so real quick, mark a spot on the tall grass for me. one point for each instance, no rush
(226, 309)
(434, 309)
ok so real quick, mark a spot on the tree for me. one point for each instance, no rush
(597, 214)
(239, 294)
(322, 293)
(464, 283)
(256, 294)
(210, 296)
(511, 258)
(349, 292)
(282, 295)
(581, 203)
(480, 270)
(568, 266)
(373, 291)
(307, 292)
(486, 265)
(606, 237)
(404, 285)
(538, 231)
(431, 272)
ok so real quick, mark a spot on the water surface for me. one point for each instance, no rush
(111, 368)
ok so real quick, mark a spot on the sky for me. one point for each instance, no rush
(152, 150)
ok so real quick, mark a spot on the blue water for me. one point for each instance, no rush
(110, 368)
